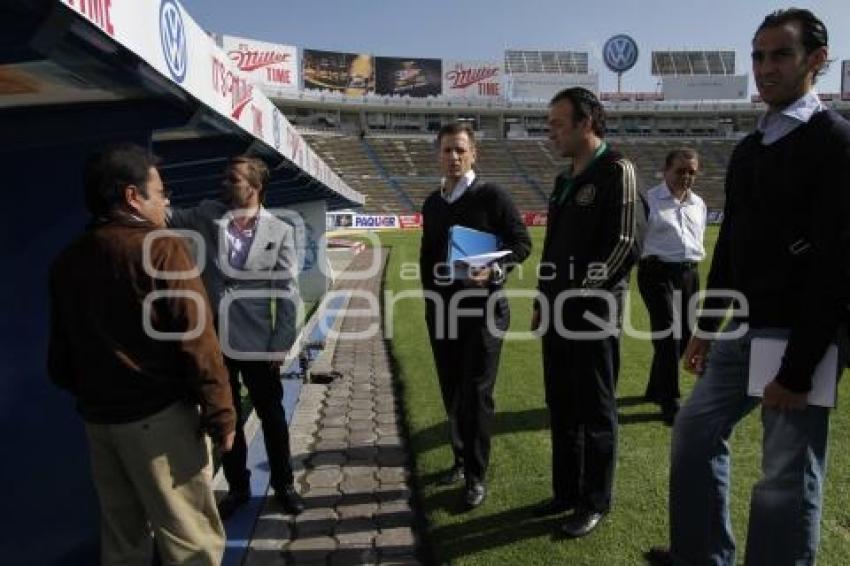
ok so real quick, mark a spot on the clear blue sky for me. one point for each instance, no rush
(482, 29)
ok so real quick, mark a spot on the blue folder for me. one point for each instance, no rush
(465, 242)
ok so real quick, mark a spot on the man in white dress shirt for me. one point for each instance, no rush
(667, 273)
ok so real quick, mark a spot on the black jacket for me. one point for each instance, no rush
(484, 206)
(784, 239)
(595, 236)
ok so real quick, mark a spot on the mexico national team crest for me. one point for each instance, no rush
(585, 195)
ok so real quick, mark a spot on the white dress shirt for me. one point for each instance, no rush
(459, 188)
(777, 124)
(675, 229)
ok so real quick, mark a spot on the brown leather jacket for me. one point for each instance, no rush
(99, 347)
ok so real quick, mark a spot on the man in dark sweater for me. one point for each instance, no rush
(780, 248)
(593, 236)
(131, 337)
(466, 351)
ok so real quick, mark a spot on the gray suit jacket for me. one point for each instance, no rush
(255, 306)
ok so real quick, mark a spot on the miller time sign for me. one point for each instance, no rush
(472, 79)
(272, 66)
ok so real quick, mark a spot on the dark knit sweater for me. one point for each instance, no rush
(484, 206)
(784, 238)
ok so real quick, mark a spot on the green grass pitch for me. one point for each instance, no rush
(503, 531)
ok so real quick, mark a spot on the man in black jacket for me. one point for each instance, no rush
(780, 249)
(466, 351)
(593, 235)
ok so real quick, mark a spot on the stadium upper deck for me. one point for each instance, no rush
(373, 118)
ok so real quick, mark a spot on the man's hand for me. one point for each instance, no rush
(777, 396)
(694, 356)
(226, 443)
(535, 320)
(479, 276)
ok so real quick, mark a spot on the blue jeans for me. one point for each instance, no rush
(785, 505)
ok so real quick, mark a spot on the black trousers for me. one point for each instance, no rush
(466, 368)
(658, 283)
(266, 392)
(580, 377)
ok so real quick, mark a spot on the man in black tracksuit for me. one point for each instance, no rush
(593, 234)
(467, 363)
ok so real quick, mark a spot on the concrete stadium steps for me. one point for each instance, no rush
(648, 156)
(349, 160)
(406, 157)
(526, 168)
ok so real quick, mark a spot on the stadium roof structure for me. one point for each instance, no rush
(82, 71)
(666, 63)
(558, 62)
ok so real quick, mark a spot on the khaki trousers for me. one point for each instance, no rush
(153, 479)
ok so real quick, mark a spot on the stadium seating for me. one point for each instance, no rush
(397, 173)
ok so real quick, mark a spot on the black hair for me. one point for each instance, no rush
(813, 29)
(110, 170)
(585, 105)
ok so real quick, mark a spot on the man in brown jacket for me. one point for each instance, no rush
(132, 339)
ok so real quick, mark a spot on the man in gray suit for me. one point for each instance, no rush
(249, 267)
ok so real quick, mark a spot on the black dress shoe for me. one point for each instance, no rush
(476, 492)
(659, 556)
(551, 507)
(234, 499)
(453, 476)
(581, 523)
(289, 499)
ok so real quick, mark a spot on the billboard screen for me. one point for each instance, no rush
(705, 87)
(408, 76)
(845, 80)
(271, 66)
(472, 79)
(348, 73)
(543, 86)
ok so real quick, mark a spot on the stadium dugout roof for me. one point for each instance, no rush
(665, 63)
(82, 70)
(559, 62)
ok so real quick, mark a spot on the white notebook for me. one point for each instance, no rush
(766, 357)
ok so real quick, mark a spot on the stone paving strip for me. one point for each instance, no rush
(350, 459)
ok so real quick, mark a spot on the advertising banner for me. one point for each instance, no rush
(375, 221)
(408, 76)
(543, 86)
(340, 220)
(272, 66)
(472, 79)
(161, 33)
(705, 87)
(352, 74)
(534, 218)
(410, 221)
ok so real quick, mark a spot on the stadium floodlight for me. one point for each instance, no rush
(665, 63)
(554, 62)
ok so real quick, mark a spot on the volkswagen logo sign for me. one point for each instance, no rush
(276, 128)
(172, 34)
(620, 53)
